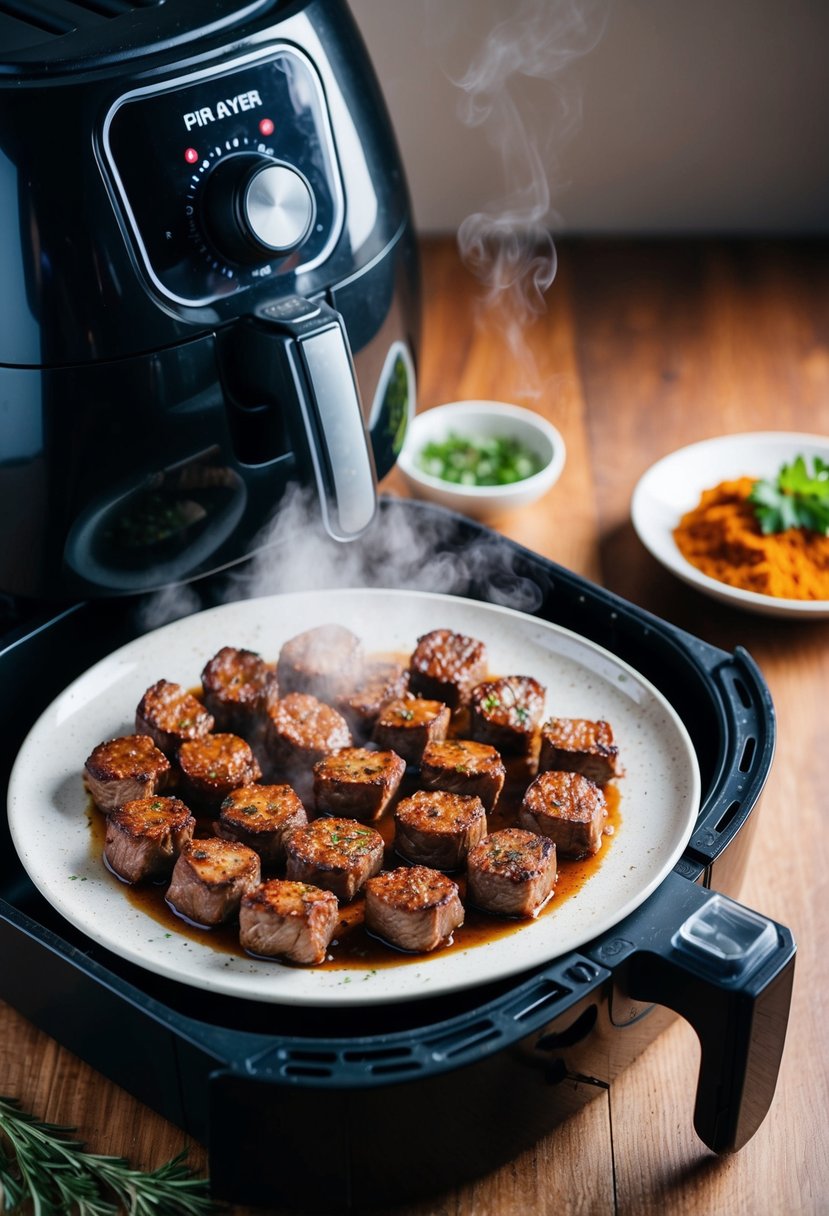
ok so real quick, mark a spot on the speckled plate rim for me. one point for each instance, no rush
(660, 791)
(673, 485)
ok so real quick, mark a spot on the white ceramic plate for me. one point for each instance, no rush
(674, 484)
(660, 798)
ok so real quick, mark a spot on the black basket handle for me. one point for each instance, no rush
(728, 971)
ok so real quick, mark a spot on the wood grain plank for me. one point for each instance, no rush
(707, 341)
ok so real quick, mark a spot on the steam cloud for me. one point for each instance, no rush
(408, 548)
(508, 243)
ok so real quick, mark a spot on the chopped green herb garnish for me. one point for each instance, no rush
(491, 702)
(797, 498)
(487, 461)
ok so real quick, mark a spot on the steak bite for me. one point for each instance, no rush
(210, 878)
(506, 712)
(568, 808)
(461, 766)
(145, 836)
(511, 872)
(323, 661)
(446, 666)
(260, 816)
(357, 782)
(237, 685)
(336, 854)
(379, 682)
(300, 731)
(579, 746)
(171, 716)
(433, 828)
(214, 766)
(405, 726)
(290, 920)
(123, 769)
(413, 908)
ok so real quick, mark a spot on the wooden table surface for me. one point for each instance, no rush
(642, 348)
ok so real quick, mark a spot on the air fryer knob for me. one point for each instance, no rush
(256, 208)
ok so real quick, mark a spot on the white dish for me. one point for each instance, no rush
(660, 791)
(482, 420)
(674, 484)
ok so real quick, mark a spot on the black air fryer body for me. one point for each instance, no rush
(204, 214)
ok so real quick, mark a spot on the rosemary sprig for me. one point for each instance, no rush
(42, 1165)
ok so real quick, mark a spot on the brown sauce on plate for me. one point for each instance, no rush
(353, 947)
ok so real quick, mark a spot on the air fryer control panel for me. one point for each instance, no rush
(227, 178)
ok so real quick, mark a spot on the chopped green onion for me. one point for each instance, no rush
(493, 461)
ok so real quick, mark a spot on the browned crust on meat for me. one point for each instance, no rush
(438, 812)
(445, 666)
(569, 808)
(506, 713)
(171, 716)
(289, 920)
(152, 818)
(121, 769)
(144, 837)
(581, 745)
(214, 766)
(406, 725)
(237, 684)
(413, 888)
(513, 854)
(463, 766)
(357, 781)
(334, 845)
(260, 816)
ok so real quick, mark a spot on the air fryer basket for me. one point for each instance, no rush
(521, 1054)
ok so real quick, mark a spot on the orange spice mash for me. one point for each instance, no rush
(722, 538)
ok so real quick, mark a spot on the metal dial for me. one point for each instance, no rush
(256, 208)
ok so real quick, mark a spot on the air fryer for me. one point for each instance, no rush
(209, 284)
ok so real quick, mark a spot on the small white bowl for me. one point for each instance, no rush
(482, 420)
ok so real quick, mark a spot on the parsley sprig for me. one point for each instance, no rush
(796, 498)
(40, 1164)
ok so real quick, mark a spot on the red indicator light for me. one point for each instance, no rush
(191, 155)
(266, 126)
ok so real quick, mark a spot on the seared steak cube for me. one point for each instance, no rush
(145, 836)
(580, 746)
(378, 683)
(171, 715)
(300, 731)
(506, 712)
(511, 872)
(567, 807)
(260, 816)
(210, 878)
(323, 662)
(356, 782)
(437, 829)
(413, 908)
(290, 920)
(123, 769)
(336, 854)
(237, 685)
(462, 766)
(407, 725)
(214, 766)
(446, 666)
